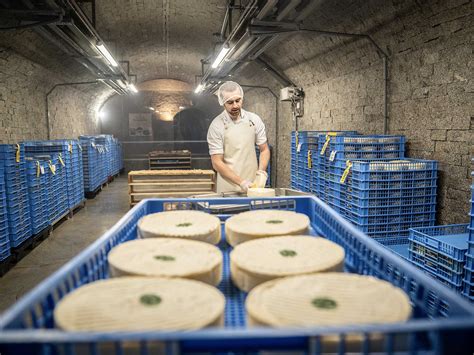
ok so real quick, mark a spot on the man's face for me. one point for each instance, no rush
(234, 105)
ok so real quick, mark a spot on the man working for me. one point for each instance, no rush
(232, 137)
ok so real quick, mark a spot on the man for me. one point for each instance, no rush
(232, 137)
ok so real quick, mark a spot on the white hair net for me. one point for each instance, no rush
(229, 90)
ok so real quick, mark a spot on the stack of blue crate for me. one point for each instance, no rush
(468, 281)
(58, 205)
(115, 157)
(384, 198)
(269, 169)
(4, 240)
(64, 149)
(75, 178)
(104, 146)
(335, 149)
(441, 252)
(305, 158)
(38, 191)
(303, 146)
(12, 158)
(90, 164)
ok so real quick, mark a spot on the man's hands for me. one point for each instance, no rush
(244, 185)
(260, 178)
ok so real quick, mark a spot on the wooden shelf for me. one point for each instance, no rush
(169, 183)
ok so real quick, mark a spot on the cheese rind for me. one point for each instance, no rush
(141, 304)
(264, 223)
(167, 257)
(357, 299)
(260, 192)
(261, 260)
(194, 225)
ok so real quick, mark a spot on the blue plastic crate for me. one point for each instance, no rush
(430, 298)
(342, 147)
(450, 240)
(469, 275)
(4, 249)
(468, 290)
(453, 274)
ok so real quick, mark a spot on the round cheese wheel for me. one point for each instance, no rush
(141, 304)
(260, 192)
(195, 225)
(167, 257)
(329, 299)
(261, 260)
(264, 223)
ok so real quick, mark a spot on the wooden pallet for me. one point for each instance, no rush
(165, 160)
(144, 184)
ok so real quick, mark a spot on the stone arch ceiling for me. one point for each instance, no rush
(161, 39)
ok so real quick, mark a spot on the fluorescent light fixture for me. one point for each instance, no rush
(225, 49)
(105, 52)
(122, 84)
(133, 88)
(199, 89)
(182, 107)
(151, 108)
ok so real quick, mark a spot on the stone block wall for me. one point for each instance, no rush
(23, 88)
(430, 96)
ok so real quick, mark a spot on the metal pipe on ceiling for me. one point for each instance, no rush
(226, 20)
(288, 8)
(280, 77)
(266, 9)
(312, 4)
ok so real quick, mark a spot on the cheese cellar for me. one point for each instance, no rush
(236, 177)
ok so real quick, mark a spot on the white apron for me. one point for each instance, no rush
(239, 154)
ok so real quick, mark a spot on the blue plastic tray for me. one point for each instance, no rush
(450, 240)
(452, 328)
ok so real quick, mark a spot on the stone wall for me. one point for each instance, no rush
(430, 84)
(23, 88)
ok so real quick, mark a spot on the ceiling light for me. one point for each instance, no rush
(105, 52)
(182, 107)
(225, 49)
(199, 89)
(151, 108)
(122, 84)
(133, 88)
(102, 115)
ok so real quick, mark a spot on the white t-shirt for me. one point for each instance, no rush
(215, 134)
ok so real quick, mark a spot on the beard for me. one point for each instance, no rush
(235, 113)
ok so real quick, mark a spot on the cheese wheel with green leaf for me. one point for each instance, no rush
(257, 224)
(261, 260)
(194, 225)
(140, 304)
(330, 300)
(167, 257)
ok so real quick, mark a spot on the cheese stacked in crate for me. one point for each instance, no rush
(328, 299)
(167, 258)
(264, 223)
(141, 304)
(257, 261)
(191, 225)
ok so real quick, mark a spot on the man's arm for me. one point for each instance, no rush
(222, 168)
(264, 158)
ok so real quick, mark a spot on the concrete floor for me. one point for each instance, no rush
(66, 241)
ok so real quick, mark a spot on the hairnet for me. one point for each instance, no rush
(229, 90)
